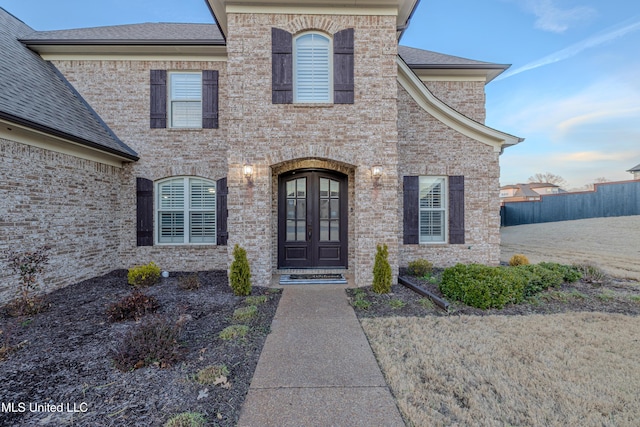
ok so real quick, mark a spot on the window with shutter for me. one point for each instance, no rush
(432, 206)
(185, 100)
(186, 211)
(312, 65)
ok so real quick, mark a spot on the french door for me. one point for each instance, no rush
(312, 219)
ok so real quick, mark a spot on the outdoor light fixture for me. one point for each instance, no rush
(376, 173)
(247, 171)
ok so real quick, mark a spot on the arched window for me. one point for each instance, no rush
(312, 68)
(186, 211)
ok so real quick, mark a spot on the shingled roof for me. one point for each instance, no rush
(34, 94)
(139, 34)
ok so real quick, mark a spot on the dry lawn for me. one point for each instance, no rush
(613, 244)
(540, 370)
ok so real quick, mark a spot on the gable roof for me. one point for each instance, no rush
(636, 168)
(35, 95)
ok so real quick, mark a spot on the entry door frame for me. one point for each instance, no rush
(313, 252)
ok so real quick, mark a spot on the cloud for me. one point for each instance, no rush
(573, 50)
(552, 18)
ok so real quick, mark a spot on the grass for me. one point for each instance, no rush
(245, 313)
(212, 374)
(554, 370)
(396, 303)
(256, 299)
(187, 419)
(233, 332)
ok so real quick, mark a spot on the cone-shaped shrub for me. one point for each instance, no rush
(382, 271)
(240, 277)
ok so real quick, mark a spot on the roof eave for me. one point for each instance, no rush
(490, 71)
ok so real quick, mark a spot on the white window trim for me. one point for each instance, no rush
(295, 71)
(444, 209)
(170, 99)
(186, 210)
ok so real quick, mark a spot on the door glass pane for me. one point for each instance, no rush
(324, 230)
(335, 188)
(324, 187)
(291, 208)
(302, 187)
(302, 209)
(335, 208)
(291, 188)
(302, 229)
(335, 231)
(324, 209)
(291, 230)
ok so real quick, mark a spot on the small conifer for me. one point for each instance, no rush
(240, 277)
(382, 271)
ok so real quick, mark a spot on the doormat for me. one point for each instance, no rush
(311, 279)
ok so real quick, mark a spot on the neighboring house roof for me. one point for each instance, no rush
(636, 168)
(33, 94)
(528, 190)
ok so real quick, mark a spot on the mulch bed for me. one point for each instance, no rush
(611, 296)
(65, 356)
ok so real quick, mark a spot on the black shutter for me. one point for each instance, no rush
(221, 211)
(281, 67)
(144, 208)
(456, 209)
(158, 99)
(210, 99)
(343, 67)
(411, 210)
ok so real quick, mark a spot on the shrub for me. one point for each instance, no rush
(482, 286)
(539, 278)
(151, 342)
(28, 265)
(396, 303)
(569, 273)
(382, 271)
(361, 303)
(256, 299)
(144, 275)
(518, 259)
(189, 282)
(240, 277)
(212, 374)
(245, 313)
(234, 331)
(420, 268)
(131, 307)
(187, 419)
(591, 273)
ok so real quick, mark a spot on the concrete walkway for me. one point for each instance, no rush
(316, 368)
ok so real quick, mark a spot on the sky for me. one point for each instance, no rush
(572, 91)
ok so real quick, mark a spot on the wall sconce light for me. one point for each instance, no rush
(247, 171)
(376, 173)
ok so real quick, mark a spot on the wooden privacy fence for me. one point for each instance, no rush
(607, 199)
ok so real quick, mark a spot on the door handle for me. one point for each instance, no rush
(309, 228)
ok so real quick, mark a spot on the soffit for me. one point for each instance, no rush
(403, 8)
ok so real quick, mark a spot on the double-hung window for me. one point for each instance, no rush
(186, 211)
(312, 69)
(432, 209)
(185, 100)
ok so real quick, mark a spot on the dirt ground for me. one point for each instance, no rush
(61, 358)
(613, 244)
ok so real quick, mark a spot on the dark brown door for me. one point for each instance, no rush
(312, 219)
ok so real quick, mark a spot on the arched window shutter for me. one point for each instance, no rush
(144, 212)
(221, 211)
(456, 209)
(281, 66)
(343, 81)
(411, 210)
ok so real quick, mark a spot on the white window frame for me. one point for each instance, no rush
(443, 208)
(296, 98)
(197, 124)
(186, 208)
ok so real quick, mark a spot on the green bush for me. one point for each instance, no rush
(240, 277)
(245, 313)
(518, 259)
(187, 419)
(569, 273)
(482, 286)
(382, 271)
(539, 278)
(144, 275)
(420, 268)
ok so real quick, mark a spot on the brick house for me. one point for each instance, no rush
(304, 133)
